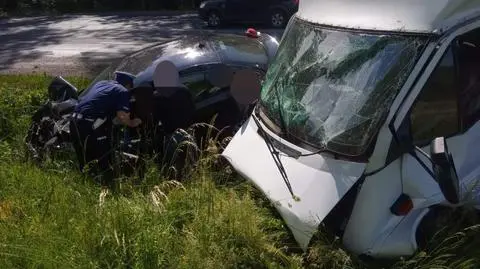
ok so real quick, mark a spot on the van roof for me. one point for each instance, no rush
(416, 16)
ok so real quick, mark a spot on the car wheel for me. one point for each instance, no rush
(214, 19)
(278, 18)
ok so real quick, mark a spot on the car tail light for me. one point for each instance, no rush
(402, 206)
(296, 2)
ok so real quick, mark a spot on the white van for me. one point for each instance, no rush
(368, 117)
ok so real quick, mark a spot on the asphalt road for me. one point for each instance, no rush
(84, 44)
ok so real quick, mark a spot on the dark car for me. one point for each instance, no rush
(274, 12)
(196, 54)
(195, 57)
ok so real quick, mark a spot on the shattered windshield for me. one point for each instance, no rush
(331, 89)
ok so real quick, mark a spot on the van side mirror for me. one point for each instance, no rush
(444, 170)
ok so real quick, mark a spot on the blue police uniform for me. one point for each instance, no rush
(92, 126)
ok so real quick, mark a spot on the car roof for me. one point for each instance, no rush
(194, 50)
(415, 16)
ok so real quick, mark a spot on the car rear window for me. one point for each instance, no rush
(240, 49)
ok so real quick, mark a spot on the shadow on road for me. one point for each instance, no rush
(20, 38)
(24, 40)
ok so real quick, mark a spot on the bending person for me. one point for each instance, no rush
(92, 125)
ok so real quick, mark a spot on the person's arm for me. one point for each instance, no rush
(124, 118)
(123, 111)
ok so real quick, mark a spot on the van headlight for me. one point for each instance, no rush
(202, 5)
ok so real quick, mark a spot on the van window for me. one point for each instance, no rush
(435, 112)
(469, 73)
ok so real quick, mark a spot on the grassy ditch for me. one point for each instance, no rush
(52, 217)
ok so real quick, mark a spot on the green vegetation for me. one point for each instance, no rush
(52, 217)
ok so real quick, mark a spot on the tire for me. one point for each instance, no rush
(437, 218)
(277, 18)
(214, 19)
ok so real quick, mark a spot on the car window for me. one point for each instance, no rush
(435, 112)
(236, 49)
(196, 82)
(195, 79)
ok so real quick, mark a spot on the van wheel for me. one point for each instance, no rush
(214, 19)
(278, 18)
(438, 222)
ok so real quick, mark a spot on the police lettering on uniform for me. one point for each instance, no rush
(92, 124)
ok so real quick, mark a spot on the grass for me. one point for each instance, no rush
(53, 217)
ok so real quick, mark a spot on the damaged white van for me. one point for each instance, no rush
(368, 117)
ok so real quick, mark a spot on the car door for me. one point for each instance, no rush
(448, 106)
(213, 106)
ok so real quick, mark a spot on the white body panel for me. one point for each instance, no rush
(401, 239)
(320, 182)
(426, 16)
(372, 228)
(371, 217)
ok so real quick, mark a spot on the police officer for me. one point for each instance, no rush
(92, 124)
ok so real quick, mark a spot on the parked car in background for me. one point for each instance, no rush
(274, 12)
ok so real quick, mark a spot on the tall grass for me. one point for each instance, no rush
(53, 217)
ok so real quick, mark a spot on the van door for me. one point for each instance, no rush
(448, 106)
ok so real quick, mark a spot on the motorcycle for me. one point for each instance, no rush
(49, 131)
(49, 128)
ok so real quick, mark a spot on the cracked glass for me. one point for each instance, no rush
(331, 89)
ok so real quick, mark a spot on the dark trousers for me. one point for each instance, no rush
(94, 149)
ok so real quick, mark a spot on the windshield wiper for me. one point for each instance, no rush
(276, 158)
